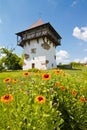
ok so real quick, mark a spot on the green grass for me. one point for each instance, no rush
(64, 107)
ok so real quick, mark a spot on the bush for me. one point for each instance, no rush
(33, 70)
(11, 60)
(1, 68)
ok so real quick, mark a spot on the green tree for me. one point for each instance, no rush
(76, 64)
(1, 65)
(11, 61)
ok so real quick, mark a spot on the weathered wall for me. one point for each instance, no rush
(41, 55)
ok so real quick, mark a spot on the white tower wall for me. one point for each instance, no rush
(38, 56)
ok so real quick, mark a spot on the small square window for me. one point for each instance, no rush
(55, 57)
(26, 56)
(33, 50)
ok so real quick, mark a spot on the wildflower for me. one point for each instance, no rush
(7, 80)
(57, 71)
(71, 89)
(26, 73)
(21, 90)
(22, 82)
(57, 84)
(64, 74)
(39, 71)
(51, 90)
(37, 74)
(82, 99)
(7, 98)
(83, 89)
(40, 99)
(62, 88)
(74, 93)
(46, 76)
(15, 81)
(34, 128)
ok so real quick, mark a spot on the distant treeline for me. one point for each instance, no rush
(71, 65)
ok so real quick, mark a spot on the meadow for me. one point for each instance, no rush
(43, 100)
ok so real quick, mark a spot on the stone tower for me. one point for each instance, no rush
(39, 42)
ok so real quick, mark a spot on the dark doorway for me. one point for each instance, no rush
(33, 65)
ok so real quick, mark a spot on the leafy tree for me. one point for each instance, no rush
(76, 64)
(1, 65)
(11, 60)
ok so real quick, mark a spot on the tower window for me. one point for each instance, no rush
(37, 40)
(26, 56)
(33, 50)
(52, 64)
(55, 57)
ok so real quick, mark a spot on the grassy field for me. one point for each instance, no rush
(43, 100)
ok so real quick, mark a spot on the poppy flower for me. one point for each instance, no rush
(46, 76)
(7, 80)
(82, 99)
(26, 73)
(40, 99)
(7, 98)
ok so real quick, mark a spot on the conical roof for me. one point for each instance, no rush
(36, 24)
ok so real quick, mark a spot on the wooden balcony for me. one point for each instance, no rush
(45, 30)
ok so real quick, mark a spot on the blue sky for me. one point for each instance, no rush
(68, 17)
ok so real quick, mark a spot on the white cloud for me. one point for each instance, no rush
(85, 50)
(62, 56)
(52, 2)
(77, 60)
(0, 21)
(84, 60)
(74, 3)
(80, 33)
(2, 47)
(1, 55)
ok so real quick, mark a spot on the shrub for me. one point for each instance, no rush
(33, 70)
